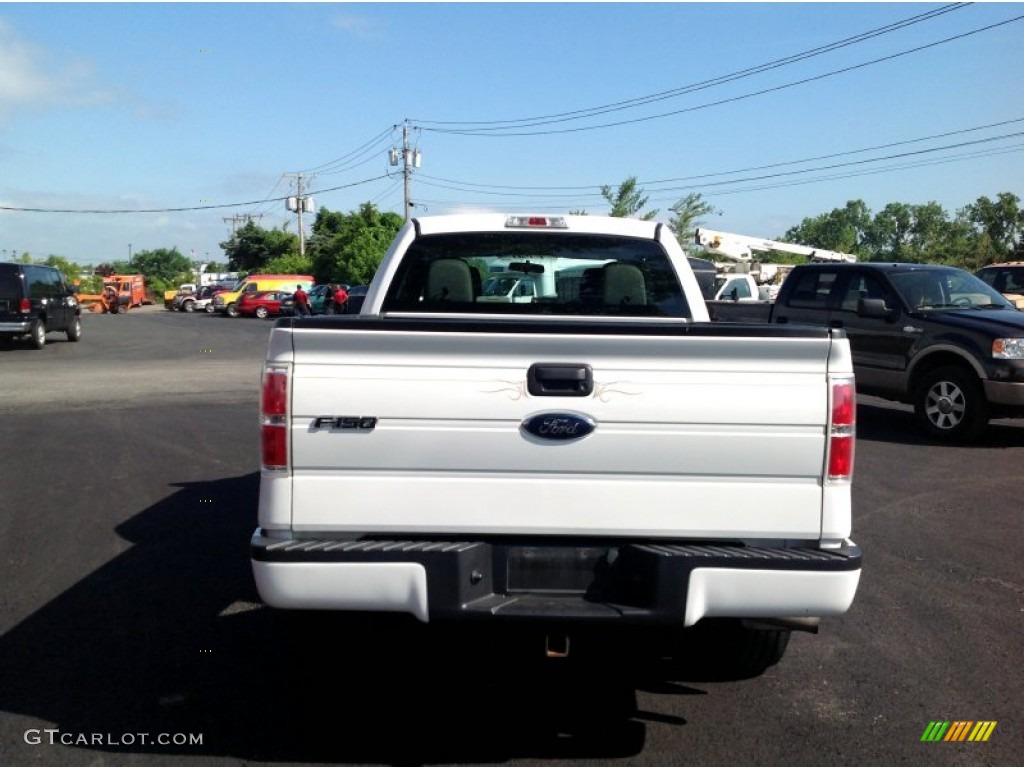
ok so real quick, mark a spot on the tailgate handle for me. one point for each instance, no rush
(560, 380)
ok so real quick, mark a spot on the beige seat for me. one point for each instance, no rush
(449, 280)
(623, 285)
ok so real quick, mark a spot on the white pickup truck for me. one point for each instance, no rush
(571, 461)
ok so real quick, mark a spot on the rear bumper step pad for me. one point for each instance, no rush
(640, 582)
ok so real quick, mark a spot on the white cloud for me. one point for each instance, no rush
(359, 26)
(30, 77)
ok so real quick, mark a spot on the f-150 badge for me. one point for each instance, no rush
(559, 426)
(344, 422)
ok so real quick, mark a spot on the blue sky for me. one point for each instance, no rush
(124, 106)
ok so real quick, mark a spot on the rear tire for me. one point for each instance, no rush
(37, 334)
(726, 649)
(949, 404)
(74, 330)
(189, 306)
(261, 313)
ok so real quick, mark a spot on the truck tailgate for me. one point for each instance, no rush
(699, 432)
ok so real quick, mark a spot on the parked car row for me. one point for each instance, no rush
(200, 300)
(264, 296)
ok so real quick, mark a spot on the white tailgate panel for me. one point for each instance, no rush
(712, 437)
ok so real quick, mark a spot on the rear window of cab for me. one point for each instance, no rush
(548, 273)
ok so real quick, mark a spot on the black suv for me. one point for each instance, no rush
(35, 300)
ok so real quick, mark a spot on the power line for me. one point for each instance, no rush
(505, 132)
(539, 204)
(374, 156)
(871, 171)
(323, 167)
(780, 174)
(267, 199)
(888, 145)
(720, 80)
(19, 209)
(896, 156)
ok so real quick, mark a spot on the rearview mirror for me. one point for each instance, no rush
(527, 267)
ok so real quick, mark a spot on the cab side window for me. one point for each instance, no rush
(740, 286)
(863, 287)
(812, 289)
(1015, 281)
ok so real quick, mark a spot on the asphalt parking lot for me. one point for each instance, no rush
(129, 491)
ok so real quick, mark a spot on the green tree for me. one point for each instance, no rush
(915, 233)
(71, 271)
(164, 265)
(627, 200)
(348, 248)
(687, 215)
(91, 284)
(842, 229)
(251, 247)
(888, 234)
(289, 264)
(961, 242)
(929, 234)
(998, 226)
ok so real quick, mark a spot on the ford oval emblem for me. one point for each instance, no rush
(559, 426)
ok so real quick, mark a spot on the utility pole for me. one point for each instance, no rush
(240, 217)
(411, 159)
(300, 203)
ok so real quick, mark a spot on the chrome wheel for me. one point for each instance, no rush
(950, 404)
(38, 334)
(945, 405)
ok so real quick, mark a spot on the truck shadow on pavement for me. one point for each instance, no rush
(879, 421)
(169, 637)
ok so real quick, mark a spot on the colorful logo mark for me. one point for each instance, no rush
(958, 730)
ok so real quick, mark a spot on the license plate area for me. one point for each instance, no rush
(553, 569)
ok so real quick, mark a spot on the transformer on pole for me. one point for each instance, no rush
(410, 158)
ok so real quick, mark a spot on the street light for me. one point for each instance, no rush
(129, 251)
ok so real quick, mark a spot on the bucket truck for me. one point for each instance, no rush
(761, 281)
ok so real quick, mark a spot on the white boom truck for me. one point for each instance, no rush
(747, 279)
(567, 462)
(740, 248)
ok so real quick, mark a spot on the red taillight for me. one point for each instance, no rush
(24, 306)
(841, 430)
(548, 222)
(274, 418)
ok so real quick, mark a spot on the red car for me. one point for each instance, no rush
(266, 303)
